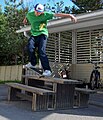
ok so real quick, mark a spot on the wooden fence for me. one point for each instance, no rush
(10, 72)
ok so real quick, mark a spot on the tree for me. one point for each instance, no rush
(88, 5)
(12, 44)
(3, 26)
(83, 6)
(0, 9)
(56, 8)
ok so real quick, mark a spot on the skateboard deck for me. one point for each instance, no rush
(36, 70)
(39, 72)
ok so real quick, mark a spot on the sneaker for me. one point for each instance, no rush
(29, 65)
(47, 73)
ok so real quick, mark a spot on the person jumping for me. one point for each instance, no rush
(39, 33)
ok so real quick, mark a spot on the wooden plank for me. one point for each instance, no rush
(34, 102)
(14, 72)
(8, 73)
(19, 75)
(39, 97)
(82, 97)
(9, 92)
(53, 80)
(64, 96)
(30, 89)
(84, 90)
(81, 100)
(2, 72)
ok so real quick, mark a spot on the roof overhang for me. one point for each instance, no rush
(83, 20)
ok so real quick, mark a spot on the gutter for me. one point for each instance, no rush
(88, 19)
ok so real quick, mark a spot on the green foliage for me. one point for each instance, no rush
(11, 44)
(0, 9)
(58, 7)
(83, 6)
(88, 5)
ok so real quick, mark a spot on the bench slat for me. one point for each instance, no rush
(84, 90)
(30, 89)
(52, 80)
(82, 97)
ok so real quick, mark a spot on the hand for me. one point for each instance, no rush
(25, 21)
(74, 19)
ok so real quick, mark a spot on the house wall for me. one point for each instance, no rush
(83, 71)
(82, 44)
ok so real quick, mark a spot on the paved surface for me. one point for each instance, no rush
(22, 110)
(97, 98)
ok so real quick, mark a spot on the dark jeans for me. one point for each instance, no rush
(40, 43)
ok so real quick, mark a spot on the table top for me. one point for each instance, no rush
(53, 80)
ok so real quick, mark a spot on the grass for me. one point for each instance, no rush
(3, 82)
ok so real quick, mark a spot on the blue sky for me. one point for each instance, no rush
(66, 2)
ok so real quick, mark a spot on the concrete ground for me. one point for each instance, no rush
(22, 110)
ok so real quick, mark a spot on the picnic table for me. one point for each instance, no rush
(64, 90)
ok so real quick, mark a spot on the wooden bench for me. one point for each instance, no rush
(64, 89)
(38, 96)
(81, 97)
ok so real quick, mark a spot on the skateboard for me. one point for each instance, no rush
(37, 71)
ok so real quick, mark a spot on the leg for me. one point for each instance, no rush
(42, 40)
(31, 50)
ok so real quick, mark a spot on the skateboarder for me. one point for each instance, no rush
(39, 33)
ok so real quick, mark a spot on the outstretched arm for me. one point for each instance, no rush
(73, 18)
